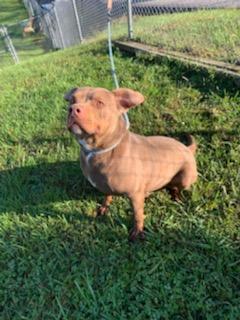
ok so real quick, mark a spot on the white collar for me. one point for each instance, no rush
(92, 152)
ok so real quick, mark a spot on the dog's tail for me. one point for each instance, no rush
(191, 143)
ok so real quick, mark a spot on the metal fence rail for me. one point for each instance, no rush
(153, 7)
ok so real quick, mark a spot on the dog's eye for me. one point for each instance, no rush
(100, 103)
(72, 100)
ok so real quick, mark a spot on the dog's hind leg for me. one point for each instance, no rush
(175, 193)
(182, 180)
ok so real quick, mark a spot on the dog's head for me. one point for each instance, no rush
(95, 111)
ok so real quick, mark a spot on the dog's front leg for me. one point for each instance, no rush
(138, 211)
(105, 205)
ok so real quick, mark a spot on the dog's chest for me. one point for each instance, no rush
(94, 172)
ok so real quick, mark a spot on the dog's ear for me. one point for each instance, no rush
(127, 98)
(69, 94)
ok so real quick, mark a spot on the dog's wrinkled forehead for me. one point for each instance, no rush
(87, 94)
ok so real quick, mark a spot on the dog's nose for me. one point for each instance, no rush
(74, 110)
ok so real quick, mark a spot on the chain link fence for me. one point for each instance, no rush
(150, 7)
(69, 22)
(22, 41)
(208, 29)
(204, 28)
(201, 28)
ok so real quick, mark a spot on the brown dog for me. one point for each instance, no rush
(117, 161)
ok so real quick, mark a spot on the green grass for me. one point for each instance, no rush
(211, 34)
(57, 261)
(12, 11)
(12, 15)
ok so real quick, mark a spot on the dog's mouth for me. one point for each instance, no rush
(75, 128)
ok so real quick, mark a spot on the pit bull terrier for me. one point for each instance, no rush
(119, 162)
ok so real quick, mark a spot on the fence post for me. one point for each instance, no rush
(130, 21)
(48, 29)
(59, 28)
(77, 20)
(29, 7)
(9, 44)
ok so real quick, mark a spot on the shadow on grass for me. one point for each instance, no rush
(31, 188)
(28, 189)
(206, 81)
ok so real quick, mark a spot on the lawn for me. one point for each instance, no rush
(13, 15)
(210, 34)
(57, 261)
(12, 11)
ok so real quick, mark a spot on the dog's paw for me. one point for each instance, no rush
(136, 234)
(175, 194)
(101, 211)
